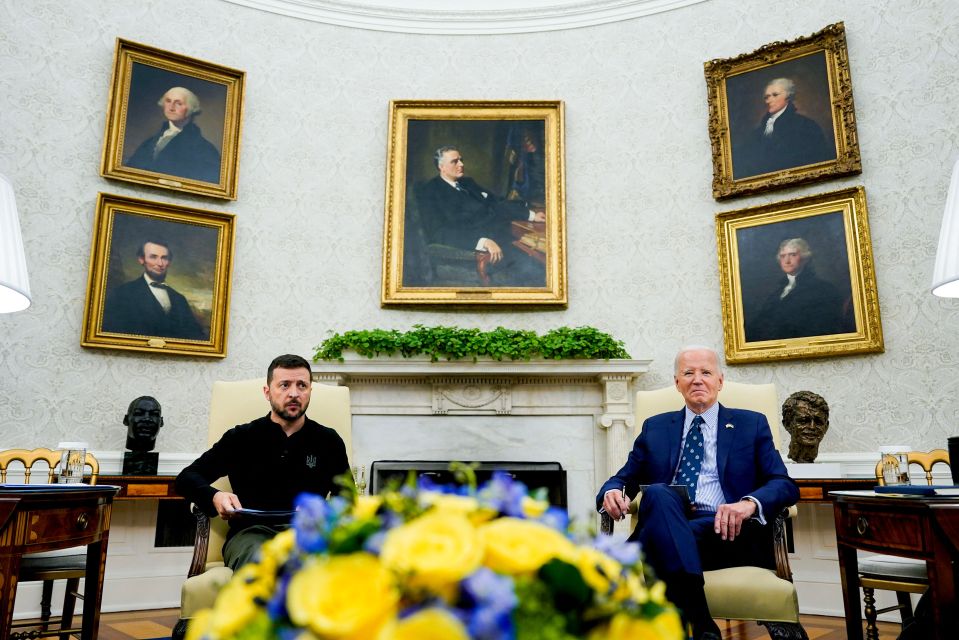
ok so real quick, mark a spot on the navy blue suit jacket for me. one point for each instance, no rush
(746, 457)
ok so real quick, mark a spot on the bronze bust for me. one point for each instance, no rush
(143, 421)
(806, 418)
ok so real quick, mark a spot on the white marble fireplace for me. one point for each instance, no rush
(575, 412)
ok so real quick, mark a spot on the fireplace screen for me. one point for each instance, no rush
(534, 475)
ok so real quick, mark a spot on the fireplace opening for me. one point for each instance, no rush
(535, 475)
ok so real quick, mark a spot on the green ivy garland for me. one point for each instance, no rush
(456, 343)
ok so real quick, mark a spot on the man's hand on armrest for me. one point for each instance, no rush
(730, 517)
(226, 503)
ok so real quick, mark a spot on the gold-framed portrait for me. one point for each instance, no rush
(159, 278)
(797, 279)
(782, 115)
(475, 203)
(173, 122)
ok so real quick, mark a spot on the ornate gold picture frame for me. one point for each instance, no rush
(475, 204)
(797, 279)
(782, 115)
(173, 122)
(159, 278)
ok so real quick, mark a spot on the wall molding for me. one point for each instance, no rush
(435, 16)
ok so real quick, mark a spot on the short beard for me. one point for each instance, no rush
(285, 415)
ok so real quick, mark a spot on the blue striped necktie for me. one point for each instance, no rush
(692, 459)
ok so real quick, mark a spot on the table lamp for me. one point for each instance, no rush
(14, 286)
(945, 276)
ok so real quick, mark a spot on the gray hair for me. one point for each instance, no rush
(696, 347)
(801, 245)
(788, 86)
(192, 102)
(438, 154)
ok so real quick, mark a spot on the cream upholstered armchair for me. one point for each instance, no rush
(740, 593)
(234, 403)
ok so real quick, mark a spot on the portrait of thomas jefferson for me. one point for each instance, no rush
(795, 286)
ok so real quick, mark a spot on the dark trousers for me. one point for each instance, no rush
(680, 544)
(244, 546)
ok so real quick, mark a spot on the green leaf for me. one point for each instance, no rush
(457, 343)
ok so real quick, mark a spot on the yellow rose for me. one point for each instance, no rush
(366, 506)
(235, 608)
(343, 597)
(669, 625)
(666, 626)
(449, 502)
(599, 571)
(515, 546)
(276, 550)
(427, 624)
(657, 593)
(199, 625)
(636, 588)
(437, 550)
(533, 508)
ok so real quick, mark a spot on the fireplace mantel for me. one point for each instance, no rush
(358, 367)
(577, 412)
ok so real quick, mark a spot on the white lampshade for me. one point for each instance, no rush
(14, 285)
(945, 278)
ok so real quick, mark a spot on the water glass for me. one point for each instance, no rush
(72, 457)
(895, 468)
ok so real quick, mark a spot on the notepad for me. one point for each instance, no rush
(264, 515)
(906, 490)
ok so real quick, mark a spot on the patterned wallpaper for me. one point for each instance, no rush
(642, 253)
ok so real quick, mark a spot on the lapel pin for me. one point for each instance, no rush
(730, 425)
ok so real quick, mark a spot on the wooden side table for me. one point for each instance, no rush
(49, 517)
(912, 527)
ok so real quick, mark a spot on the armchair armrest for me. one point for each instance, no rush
(780, 552)
(201, 544)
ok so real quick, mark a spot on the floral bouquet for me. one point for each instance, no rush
(432, 562)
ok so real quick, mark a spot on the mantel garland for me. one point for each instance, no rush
(456, 343)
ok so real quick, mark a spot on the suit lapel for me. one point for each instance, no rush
(677, 420)
(724, 440)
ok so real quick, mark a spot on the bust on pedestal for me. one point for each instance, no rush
(143, 421)
(806, 419)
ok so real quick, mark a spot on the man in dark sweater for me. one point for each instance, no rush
(269, 462)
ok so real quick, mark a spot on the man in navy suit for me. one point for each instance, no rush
(740, 488)
(148, 306)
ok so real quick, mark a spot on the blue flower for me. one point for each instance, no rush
(374, 544)
(494, 598)
(504, 494)
(276, 607)
(556, 518)
(625, 553)
(312, 522)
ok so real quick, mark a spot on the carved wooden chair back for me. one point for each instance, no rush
(30, 458)
(925, 459)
